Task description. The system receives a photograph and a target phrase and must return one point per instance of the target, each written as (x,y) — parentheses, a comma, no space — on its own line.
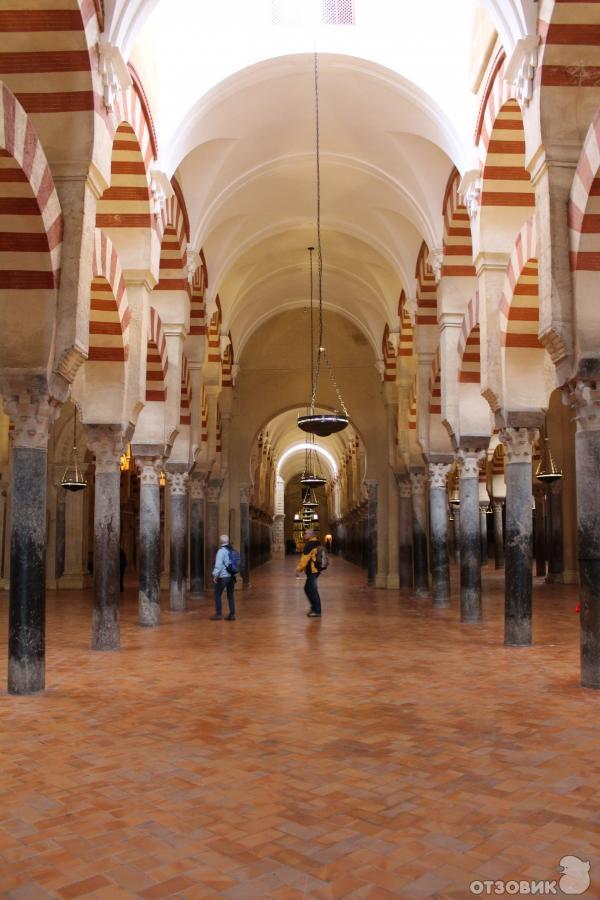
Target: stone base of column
(4,584)
(105,629)
(26,676)
(278,553)
(392,582)
(177,597)
(380,581)
(78,582)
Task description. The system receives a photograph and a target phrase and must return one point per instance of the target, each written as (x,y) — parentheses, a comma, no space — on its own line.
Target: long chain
(312,338)
(319,248)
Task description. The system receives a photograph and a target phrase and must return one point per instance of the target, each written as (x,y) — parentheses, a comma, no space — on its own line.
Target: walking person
(227,564)
(308,565)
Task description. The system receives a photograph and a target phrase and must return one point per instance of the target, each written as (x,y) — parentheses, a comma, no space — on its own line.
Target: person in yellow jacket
(308,565)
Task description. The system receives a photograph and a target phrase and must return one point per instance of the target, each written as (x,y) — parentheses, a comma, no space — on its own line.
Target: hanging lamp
(547,469)
(309,501)
(73,478)
(324,423)
(454,492)
(312,477)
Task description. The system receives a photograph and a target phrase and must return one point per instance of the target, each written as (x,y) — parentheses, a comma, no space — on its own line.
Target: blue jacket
(221,563)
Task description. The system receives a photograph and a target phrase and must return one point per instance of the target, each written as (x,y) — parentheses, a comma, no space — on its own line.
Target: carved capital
(371,489)
(519,444)
(192,261)
(31,410)
(438,475)
(497,505)
(418,481)
(245,493)
(435,260)
(469,191)
(149,469)
(113,71)
(469,462)
(520,68)
(584,399)
(106,442)
(196,486)
(177,483)
(161,189)
(213,490)
(403,487)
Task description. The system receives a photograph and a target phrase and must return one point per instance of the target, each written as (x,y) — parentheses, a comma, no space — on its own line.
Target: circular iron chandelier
(73,478)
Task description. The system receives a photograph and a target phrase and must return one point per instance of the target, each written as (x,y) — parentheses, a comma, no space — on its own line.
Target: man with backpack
(227,566)
(312,562)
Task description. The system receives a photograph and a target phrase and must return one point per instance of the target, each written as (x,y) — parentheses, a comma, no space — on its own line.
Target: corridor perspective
(289,274)
(379,752)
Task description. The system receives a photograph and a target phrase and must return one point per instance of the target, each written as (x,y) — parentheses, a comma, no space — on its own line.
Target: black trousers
(312,591)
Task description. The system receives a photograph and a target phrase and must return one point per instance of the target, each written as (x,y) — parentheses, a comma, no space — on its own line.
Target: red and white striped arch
(173,250)
(185,410)
(506,181)
(388,353)
(157,362)
(406,343)
(469,344)
(214,334)
(227,364)
(520,306)
(426,289)
(109,310)
(458,245)
(412,408)
(219,431)
(495,94)
(197,303)
(435,386)
(203,417)
(568,56)
(584,205)
(31,221)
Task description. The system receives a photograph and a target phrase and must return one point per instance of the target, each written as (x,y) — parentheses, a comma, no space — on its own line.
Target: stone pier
(245,491)
(470,535)
(421,579)
(438,530)
(106,442)
(197,502)
(178,545)
(518,442)
(211,544)
(371,487)
(498,535)
(405,533)
(149,562)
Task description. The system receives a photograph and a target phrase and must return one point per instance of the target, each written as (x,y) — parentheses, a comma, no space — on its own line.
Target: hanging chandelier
(312,476)
(323,423)
(73,478)
(309,501)
(547,469)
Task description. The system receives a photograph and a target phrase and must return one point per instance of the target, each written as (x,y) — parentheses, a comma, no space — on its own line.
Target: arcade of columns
(495,346)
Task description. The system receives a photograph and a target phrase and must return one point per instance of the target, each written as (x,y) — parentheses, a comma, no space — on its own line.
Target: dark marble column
(178,547)
(106,443)
(405,533)
(149,562)
(421,579)
(584,397)
(61,503)
(211,545)
(539,531)
(554,531)
(438,531)
(498,535)
(371,537)
(245,491)
(519,535)
(32,412)
(470,536)
(197,503)
(483,532)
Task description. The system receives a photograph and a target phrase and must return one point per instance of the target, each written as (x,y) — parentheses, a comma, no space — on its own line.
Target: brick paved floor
(384,751)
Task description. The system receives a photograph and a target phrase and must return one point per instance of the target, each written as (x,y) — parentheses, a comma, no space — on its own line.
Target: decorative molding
(404,488)
(584,399)
(213,490)
(497,505)
(161,189)
(469,462)
(177,483)
(197,489)
(193,260)
(31,410)
(436,261)
(107,443)
(519,444)
(438,475)
(149,469)
(418,480)
(520,68)
(113,71)
(469,191)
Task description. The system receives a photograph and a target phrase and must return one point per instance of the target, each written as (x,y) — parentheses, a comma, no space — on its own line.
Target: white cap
(224,538)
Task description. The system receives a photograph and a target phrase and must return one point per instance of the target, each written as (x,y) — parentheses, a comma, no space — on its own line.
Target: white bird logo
(575,878)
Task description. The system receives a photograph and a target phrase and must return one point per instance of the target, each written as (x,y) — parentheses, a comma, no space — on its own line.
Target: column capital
(497,505)
(149,468)
(196,487)
(177,483)
(418,481)
(371,488)
(106,442)
(519,444)
(245,493)
(31,410)
(438,474)
(584,399)
(403,483)
(469,462)
(213,489)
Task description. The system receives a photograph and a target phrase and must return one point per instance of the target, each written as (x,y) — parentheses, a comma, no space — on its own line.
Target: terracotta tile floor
(384,751)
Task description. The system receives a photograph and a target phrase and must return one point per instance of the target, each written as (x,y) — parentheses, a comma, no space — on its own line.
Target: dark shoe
(230,618)
(313,615)
(216,618)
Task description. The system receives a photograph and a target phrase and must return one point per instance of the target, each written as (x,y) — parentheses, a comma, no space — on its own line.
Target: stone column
(211,545)
(405,532)
(519,533)
(438,530)
(554,532)
(178,546)
(539,531)
(149,564)
(470,536)
(371,487)
(245,491)
(32,412)
(498,535)
(279,536)
(421,579)
(106,443)
(483,532)
(456,523)
(197,501)
(584,397)
(61,503)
